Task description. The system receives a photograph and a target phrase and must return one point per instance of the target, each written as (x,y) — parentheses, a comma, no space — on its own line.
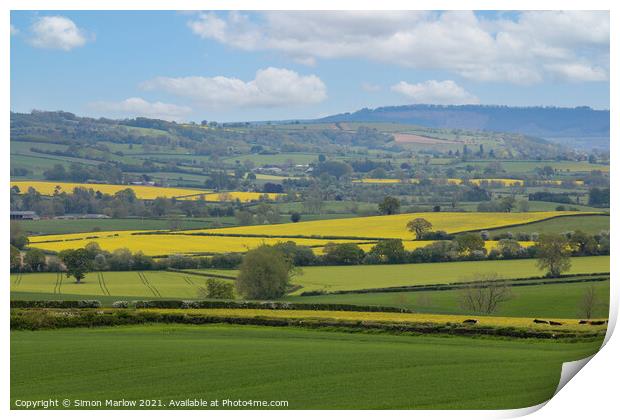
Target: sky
(256,66)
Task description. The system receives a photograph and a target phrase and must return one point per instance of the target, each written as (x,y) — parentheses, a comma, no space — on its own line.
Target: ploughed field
(308,368)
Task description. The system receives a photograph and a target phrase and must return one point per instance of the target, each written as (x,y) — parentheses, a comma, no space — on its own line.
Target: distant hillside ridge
(534,121)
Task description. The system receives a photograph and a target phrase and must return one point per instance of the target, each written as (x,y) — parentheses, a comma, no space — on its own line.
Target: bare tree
(485,293)
(589,302)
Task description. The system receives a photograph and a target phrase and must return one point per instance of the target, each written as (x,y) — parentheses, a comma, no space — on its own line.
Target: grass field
(542,301)
(174,285)
(352,277)
(144,192)
(589,224)
(148,284)
(561,166)
(339,370)
(394,226)
(277,159)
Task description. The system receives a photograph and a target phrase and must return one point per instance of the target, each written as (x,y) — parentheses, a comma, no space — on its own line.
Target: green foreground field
(309,369)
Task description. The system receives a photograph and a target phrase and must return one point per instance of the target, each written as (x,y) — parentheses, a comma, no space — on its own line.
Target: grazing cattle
(582,322)
(597,322)
(554,323)
(470,321)
(540,321)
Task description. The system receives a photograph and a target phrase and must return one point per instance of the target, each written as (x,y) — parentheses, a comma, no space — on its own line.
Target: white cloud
(56,32)
(445,92)
(138,107)
(578,72)
(271,87)
(519,50)
(14,30)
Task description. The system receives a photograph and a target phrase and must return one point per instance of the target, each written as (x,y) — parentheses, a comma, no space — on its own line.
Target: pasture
(136,284)
(541,301)
(340,370)
(353,277)
(328,278)
(589,224)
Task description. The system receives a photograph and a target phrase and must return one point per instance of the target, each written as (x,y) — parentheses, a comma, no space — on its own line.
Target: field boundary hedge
(525,281)
(45,319)
(206,304)
(255,235)
(202,274)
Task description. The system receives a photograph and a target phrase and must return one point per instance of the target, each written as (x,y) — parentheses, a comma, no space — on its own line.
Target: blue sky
(237,66)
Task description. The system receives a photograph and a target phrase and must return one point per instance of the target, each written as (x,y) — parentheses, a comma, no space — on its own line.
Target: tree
(16,259)
(589,303)
(582,243)
(345,254)
(389,205)
(468,243)
(34,259)
(217,289)
(485,295)
(265,273)
(390,251)
(18,237)
(334,168)
(553,253)
(419,226)
(295,217)
(77,262)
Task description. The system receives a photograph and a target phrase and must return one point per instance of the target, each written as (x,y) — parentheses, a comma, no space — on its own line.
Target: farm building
(24,215)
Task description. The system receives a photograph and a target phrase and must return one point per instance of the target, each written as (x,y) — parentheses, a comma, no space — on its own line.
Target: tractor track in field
(57,284)
(102,284)
(188,280)
(18,279)
(148,284)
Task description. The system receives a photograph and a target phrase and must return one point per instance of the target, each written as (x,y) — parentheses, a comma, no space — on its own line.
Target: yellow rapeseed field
(394,226)
(144,192)
(455,181)
(499,321)
(161,244)
(507,182)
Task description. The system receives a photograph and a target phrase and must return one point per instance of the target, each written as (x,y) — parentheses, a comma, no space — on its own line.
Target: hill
(560,124)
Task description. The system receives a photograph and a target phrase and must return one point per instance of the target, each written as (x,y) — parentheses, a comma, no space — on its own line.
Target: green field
(53,227)
(134,284)
(552,301)
(277,159)
(374,276)
(561,166)
(309,369)
(588,224)
(329,278)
